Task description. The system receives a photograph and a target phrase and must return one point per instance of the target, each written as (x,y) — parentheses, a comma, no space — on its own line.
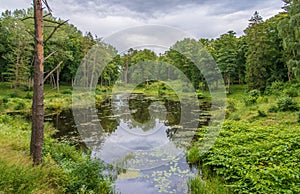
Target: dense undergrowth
(258,148)
(64,170)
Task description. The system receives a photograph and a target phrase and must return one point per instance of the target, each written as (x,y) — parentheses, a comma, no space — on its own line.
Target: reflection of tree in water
(107,119)
(163,109)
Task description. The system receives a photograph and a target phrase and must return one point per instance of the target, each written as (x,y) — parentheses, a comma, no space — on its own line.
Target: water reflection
(146,136)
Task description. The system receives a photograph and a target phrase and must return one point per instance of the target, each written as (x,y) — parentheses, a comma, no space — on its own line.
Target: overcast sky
(200,18)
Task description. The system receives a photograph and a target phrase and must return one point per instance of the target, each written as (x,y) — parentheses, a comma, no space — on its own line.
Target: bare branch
(49,26)
(50,55)
(48,14)
(47,5)
(27,18)
(54,30)
(51,21)
(53,70)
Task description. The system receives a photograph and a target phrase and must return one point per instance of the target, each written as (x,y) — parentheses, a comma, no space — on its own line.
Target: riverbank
(257,150)
(65,169)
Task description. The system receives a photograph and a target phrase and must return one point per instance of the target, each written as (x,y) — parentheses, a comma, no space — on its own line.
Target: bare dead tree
(37,134)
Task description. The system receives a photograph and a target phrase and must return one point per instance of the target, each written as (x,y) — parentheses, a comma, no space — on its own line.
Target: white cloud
(206,19)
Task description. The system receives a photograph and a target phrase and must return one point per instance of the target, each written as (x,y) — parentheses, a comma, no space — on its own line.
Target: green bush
(273,109)
(13,95)
(287,104)
(261,113)
(276,88)
(231,105)
(82,172)
(252,97)
(291,92)
(29,95)
(20,105)
(5,100)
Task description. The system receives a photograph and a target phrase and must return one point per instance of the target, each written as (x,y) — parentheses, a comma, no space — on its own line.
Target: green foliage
(193,155)
(18,179)
(81,172)
(196,186)
(29,95)
(20,105)
(226,48)
(252,97)
(261,113)
(273,109)
(257,158)
(67,91)
(264,55)
(291,92)
(287,104)
(275,88)
(289,31)
(209,183)
(235,117)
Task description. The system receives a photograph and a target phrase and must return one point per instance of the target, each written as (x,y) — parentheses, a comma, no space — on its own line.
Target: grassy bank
(64,169)
(20,101)
(258,149)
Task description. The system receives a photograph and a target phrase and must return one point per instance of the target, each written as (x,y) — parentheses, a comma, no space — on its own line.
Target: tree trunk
(37,134)
(17,68)
(228,83)
(57,79)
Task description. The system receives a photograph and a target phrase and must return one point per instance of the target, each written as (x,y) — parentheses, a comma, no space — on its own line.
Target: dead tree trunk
(37,134)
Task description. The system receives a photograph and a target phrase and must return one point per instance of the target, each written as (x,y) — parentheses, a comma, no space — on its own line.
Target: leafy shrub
(82,172)
(231,105)
(5,100)
(12,95)
(252,97)
(193,155)
(261,113)
(287,104)
(298,114)
(254,158)
(20,105)
(29,95)
(276,88)
(291,92)
(273,109)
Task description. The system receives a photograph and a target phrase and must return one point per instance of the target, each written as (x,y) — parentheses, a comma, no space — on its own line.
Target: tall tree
(255,19)
(264,54)
(226,56)
(37,134)
(289,30)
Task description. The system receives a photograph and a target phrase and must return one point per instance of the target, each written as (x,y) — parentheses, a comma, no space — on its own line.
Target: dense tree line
(269,51)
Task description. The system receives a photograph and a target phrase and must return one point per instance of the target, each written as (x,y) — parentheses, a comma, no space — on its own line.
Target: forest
(257,150)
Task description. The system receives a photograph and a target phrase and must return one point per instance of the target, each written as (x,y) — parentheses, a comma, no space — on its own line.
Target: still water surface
(148,141)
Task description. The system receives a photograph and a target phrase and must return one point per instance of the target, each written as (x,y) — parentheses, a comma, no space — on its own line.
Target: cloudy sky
(200,18)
